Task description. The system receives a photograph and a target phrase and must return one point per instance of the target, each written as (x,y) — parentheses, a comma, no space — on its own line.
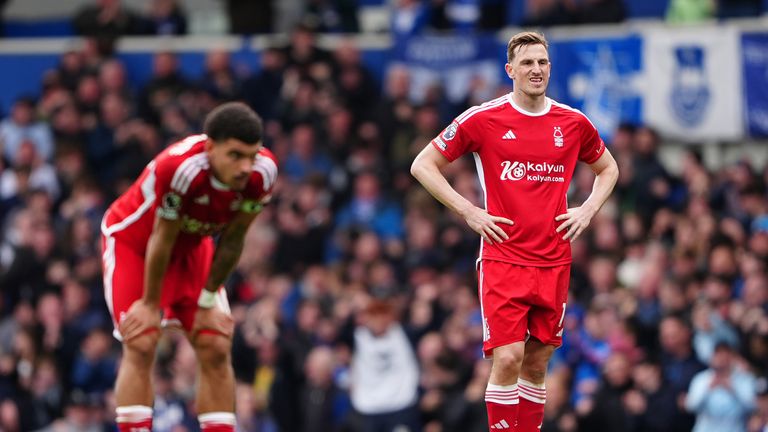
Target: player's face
(232,161)
(530,69)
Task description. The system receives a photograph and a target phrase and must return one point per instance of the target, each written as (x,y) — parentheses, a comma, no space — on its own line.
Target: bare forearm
(602,188)
(224,260)
(436,184)
(157,259)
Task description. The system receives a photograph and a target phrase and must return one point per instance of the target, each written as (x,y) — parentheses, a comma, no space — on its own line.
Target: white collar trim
(217,184)
(528,113)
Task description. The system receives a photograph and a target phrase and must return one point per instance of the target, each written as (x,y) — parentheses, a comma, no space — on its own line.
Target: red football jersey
(525,162)
(179,184)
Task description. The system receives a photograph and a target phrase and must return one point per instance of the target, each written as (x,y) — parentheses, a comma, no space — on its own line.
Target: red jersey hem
(528,263)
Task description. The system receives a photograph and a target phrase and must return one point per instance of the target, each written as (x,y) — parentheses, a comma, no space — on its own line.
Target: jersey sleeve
(592,146)
(262,182)
(173,182)
(456,139)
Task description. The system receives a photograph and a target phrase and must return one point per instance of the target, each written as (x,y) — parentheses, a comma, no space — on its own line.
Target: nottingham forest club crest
(558,136)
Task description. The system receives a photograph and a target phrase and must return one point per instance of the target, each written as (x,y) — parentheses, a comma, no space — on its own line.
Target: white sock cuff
(535,393)
(525,383)
(220,417)
(503,388)
(503,395)
(133,413)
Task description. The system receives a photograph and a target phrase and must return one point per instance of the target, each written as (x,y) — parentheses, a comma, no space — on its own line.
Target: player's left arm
(228,249)
(211,313)
(576,219)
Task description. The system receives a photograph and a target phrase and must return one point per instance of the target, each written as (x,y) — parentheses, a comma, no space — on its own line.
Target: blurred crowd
(112,18)
(355,298)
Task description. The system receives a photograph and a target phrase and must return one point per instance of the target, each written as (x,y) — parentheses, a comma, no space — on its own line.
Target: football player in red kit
(161,266)
(525,147)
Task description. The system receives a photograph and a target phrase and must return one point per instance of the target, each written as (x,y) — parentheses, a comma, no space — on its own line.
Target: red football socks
(502,403)
(532,399)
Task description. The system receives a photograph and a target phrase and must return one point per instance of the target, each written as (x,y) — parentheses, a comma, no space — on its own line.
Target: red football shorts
(520,300)
(123,270)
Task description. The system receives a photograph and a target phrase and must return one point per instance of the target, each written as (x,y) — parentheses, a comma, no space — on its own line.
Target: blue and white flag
(693,83)
(600,77)
(755,54)
(455,63)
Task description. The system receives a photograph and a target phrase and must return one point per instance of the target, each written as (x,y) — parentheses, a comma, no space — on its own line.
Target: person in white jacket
(385,373)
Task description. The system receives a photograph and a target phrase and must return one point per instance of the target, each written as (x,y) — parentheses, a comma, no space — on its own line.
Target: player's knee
(141,349)
(535,365)
(535,372)
(508,360)
(213,350)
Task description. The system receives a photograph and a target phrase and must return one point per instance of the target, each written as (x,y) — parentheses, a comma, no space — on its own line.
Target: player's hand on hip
(141,317)
(487,225)
(575,221)
(213,319)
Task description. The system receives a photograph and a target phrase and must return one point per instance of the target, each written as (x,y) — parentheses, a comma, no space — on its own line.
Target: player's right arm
(426,168)
(172,183)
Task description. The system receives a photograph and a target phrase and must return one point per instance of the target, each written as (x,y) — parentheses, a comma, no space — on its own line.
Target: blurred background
(354,273)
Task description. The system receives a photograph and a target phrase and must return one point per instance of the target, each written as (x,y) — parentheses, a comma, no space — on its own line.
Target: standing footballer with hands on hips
(525,147)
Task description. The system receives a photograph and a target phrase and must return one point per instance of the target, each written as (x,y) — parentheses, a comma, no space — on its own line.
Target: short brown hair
(522,39)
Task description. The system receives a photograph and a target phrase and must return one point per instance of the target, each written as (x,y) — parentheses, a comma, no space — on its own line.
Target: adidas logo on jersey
(501,425)
(509,135)
(202,200)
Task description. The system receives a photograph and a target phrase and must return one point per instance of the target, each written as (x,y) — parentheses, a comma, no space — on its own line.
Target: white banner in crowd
(693,85)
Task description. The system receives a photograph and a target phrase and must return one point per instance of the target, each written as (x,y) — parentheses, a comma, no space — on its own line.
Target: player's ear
(510,71)
(209,145)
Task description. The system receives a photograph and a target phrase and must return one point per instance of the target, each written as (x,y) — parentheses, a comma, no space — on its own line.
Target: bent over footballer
(159,259)
(525,147)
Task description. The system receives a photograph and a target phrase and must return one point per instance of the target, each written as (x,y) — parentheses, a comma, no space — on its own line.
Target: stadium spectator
(723,396)
(690,11)
(333,16)
(166,17)
(108,19)
(22,125)
(384,373)
(262,90)
(305,159)
(164,87)
(250,17)
(678,363)
(219,78)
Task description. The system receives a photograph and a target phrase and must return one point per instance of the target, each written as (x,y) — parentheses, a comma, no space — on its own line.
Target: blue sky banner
(457,63)
(600,77)
(754,48)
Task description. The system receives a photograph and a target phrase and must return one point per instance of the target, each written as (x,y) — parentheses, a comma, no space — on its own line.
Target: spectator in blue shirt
(723,396)
(22,126)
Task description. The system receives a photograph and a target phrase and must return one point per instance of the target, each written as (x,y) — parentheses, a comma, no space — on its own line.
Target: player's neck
(218,184)
(534,104)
